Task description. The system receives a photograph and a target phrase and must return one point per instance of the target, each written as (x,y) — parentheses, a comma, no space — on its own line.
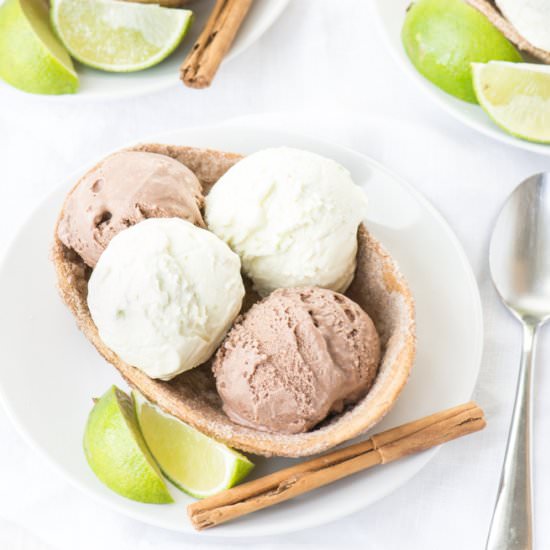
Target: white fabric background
(322,57)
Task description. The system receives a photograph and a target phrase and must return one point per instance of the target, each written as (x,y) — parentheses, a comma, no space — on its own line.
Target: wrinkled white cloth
(321,57)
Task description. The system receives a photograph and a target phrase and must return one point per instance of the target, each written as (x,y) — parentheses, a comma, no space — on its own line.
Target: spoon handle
(512,523)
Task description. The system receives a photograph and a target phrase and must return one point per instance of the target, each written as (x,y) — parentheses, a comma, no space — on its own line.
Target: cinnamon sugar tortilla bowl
(378,287)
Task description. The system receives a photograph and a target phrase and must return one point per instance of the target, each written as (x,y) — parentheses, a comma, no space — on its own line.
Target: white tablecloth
(322,57)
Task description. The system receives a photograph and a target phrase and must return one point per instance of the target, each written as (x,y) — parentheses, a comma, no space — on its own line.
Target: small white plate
(49,372)
(96,84)
(390,16)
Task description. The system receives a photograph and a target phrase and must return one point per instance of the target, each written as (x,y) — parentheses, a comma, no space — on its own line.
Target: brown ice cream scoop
(124,189)
(294,358)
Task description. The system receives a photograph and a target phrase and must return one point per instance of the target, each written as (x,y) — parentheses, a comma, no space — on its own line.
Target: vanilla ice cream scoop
(163,294)
(291,216)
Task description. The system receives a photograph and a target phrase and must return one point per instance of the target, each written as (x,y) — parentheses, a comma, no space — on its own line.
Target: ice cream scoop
(292,216)
(295,357)
(124,189)
(163,294)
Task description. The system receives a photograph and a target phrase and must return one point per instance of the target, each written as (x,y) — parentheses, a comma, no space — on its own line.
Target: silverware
(519,259)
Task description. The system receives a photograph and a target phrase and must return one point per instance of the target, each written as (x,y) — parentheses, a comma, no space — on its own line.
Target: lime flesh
(516,96)
(31,57)
(192,461)
(443,37)
(119,36)
(117,453)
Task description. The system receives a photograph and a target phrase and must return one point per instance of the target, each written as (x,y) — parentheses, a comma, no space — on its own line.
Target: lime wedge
(117,453)
(119,36)
(516,96)
(31,57)
(192,461)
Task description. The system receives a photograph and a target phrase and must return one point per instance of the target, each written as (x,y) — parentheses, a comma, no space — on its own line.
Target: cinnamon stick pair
(382,448)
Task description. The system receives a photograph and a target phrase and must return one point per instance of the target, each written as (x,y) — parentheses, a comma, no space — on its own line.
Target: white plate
(390,16)
(49,372)
(102,85)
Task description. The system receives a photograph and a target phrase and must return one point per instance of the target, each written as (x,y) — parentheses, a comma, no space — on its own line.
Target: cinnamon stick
(201,65)
(382,448)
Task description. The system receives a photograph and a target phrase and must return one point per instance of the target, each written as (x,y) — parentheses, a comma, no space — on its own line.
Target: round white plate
(49,372)
(390,16)
(96,84)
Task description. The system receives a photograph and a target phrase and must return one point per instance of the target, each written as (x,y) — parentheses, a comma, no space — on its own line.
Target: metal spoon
(519,258)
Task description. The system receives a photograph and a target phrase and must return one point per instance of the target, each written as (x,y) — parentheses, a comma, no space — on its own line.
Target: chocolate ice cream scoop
(124,189)
(295,357)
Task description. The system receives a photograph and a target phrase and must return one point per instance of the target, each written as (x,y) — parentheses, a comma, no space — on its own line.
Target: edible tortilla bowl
(378,287)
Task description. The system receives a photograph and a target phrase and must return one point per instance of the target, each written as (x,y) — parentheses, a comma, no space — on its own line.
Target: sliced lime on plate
(31,57)
(119,36)
(442,38)
(192,461)
(117,453)
(516,96)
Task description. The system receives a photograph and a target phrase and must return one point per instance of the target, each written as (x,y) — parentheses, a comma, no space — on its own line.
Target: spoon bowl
(519,254)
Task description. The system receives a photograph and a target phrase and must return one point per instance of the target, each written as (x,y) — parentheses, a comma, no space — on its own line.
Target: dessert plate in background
(390,16)
(49,372)
(96,84)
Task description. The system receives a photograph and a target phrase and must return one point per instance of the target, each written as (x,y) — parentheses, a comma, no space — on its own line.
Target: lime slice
(192,461)
(31,57)
(516,96)
(443,37)
(119,36)
(117,453)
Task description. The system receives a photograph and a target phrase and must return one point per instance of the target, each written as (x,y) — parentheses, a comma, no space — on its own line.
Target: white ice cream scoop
(163,294)
(291,216)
